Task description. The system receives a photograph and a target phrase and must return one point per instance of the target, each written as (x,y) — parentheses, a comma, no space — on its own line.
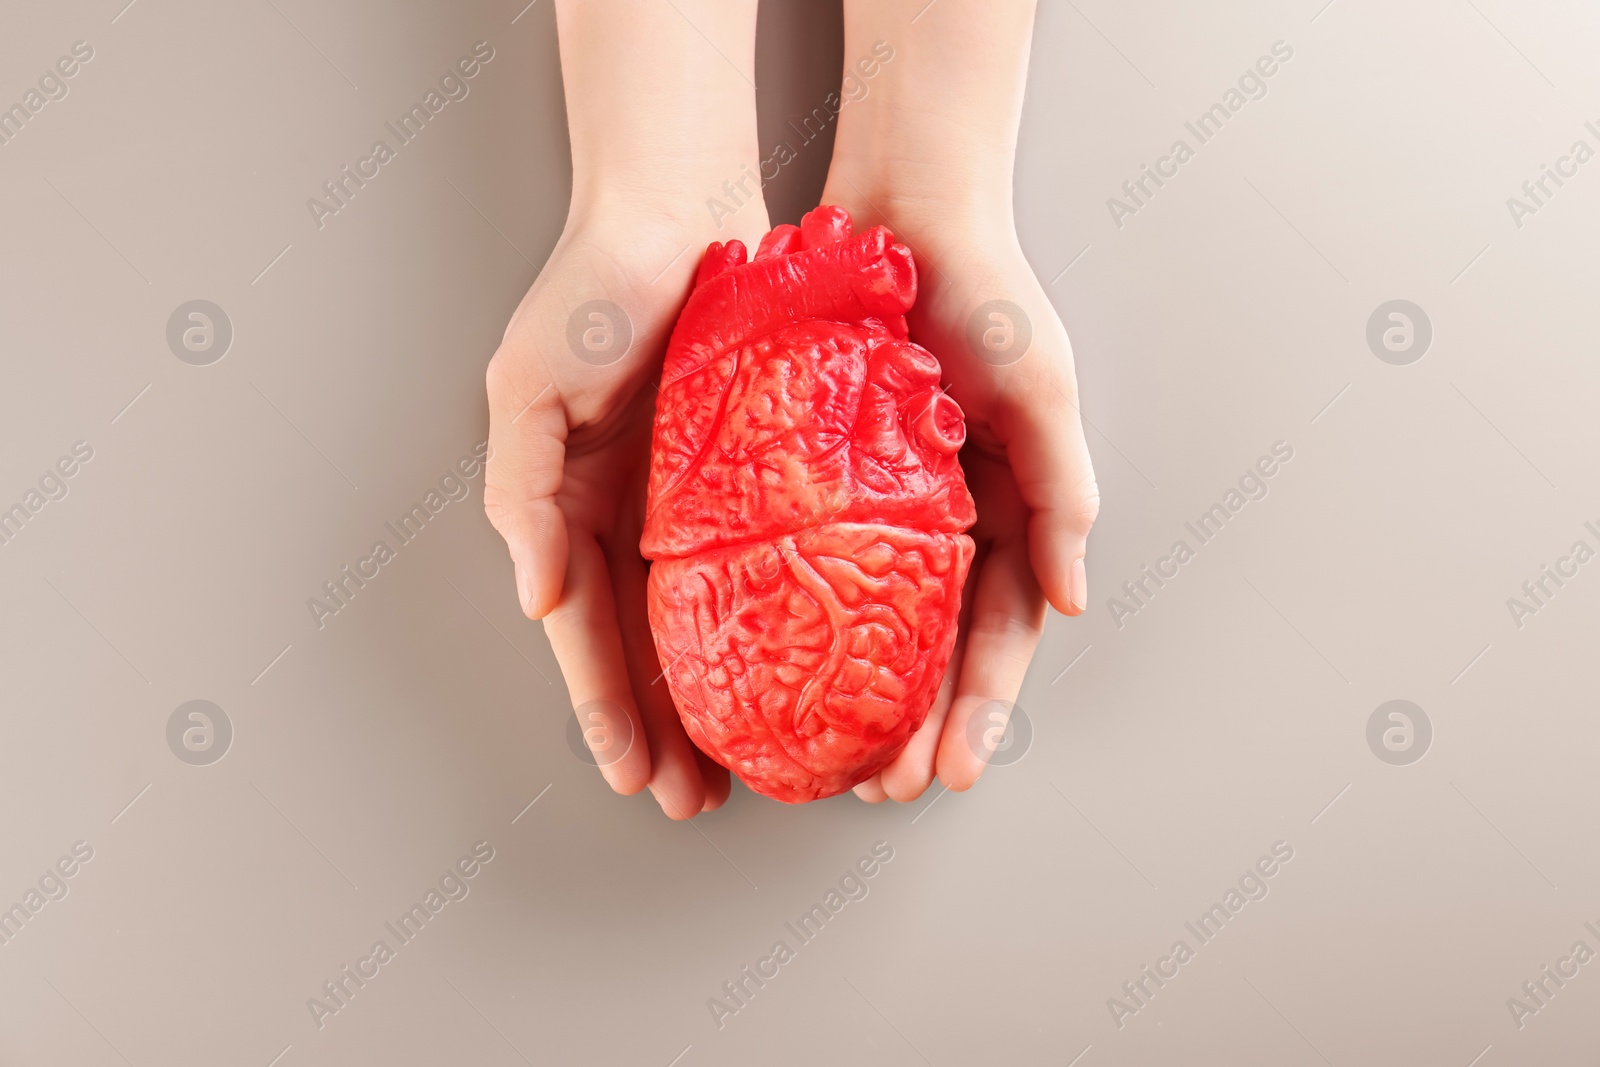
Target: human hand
(571,395)
(928,153)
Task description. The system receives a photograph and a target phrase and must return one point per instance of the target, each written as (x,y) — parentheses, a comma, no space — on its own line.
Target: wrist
(921,198)
(679,149)
(676,191)
(921,166)
(659,217)
(937,209)
(681,220)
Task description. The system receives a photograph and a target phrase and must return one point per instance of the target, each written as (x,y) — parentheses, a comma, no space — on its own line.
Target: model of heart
(806,510)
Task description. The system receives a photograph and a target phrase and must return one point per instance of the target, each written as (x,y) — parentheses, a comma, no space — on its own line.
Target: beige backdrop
(179,509)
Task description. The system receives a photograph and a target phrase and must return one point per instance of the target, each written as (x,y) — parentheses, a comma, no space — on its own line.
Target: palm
(602,460)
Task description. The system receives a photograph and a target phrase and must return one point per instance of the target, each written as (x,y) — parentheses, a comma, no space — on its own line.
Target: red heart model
(806,510)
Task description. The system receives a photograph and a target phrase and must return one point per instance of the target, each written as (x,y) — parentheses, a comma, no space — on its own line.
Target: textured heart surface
(806,510)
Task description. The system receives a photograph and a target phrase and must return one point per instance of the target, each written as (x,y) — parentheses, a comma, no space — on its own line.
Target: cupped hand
(571,398)
(1007,361)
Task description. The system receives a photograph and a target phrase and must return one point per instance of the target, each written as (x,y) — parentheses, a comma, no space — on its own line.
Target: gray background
(1228,314)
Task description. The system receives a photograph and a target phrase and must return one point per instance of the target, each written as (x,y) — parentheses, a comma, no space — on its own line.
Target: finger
(911,772)
(676,780)
(718,782)
(582,629)
(527,446)
(871,790)
(1050,459)
(1007,619)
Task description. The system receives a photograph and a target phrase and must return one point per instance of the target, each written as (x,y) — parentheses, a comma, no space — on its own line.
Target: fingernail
(670,810)
(1078,587)
(524,586)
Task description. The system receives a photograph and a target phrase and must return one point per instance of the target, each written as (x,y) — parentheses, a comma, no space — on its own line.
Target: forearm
(938,127)
(660,99)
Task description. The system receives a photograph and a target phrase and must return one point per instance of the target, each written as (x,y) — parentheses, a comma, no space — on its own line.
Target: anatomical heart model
(806,510)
